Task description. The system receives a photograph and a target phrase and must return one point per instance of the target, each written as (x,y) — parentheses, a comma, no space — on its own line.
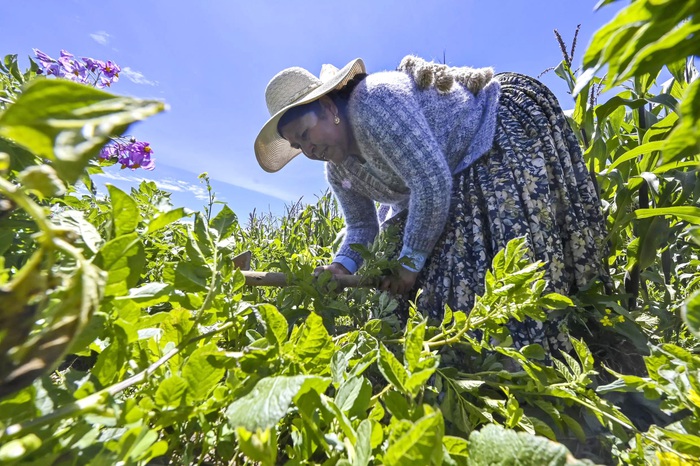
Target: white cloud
(136,77)
(101,37)
(267,189)
(198,191)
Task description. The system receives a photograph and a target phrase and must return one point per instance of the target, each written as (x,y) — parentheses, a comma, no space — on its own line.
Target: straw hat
(290,88)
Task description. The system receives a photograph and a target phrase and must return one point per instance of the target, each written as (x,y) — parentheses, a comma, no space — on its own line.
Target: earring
(337,120)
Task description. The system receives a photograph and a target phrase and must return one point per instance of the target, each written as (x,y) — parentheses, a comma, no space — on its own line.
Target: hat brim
(273,151)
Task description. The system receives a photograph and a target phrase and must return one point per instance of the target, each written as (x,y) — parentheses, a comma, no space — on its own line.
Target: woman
(472,160)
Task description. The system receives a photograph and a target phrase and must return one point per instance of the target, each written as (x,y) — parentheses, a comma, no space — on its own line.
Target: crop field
(129,336)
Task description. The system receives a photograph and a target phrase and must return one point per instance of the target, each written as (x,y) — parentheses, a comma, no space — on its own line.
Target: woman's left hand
(400,283)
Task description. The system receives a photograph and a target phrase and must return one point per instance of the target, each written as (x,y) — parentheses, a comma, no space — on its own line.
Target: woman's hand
(400,283)
(335,268)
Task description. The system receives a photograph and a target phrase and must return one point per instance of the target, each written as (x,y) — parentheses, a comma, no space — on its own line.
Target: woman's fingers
(335,269)
(399,284)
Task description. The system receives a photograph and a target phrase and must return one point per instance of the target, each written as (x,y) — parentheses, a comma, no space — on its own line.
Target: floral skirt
(532,183)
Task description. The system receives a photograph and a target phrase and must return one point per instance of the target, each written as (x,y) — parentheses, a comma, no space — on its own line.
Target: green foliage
(128,336)
(494,445)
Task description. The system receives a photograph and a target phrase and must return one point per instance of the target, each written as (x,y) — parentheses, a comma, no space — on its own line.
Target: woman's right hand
(335,268)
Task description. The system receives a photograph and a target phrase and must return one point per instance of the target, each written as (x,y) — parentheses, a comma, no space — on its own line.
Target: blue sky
(211,60)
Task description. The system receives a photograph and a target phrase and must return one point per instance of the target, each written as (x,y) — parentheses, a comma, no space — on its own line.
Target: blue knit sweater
(413,141)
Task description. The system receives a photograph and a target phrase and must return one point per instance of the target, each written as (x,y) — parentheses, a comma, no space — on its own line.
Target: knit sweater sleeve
(389,119)
(361,223)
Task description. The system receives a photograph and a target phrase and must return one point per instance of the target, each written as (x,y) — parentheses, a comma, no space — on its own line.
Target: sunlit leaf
(687,213)
(166,218)
(420,445)
(354,395)
(392,369)
(363,447)
(123,258)
(170,392)
(314,347)
(125,211)
(277,326)
(202,372)
(495,445)
(270,400)
(224,222)
(414,346)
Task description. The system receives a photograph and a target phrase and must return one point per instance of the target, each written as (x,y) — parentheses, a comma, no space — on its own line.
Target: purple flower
(50,66)
(111,70)
(103,82)
(129,153)
(140,156)
(108,152)
(93,65)
(86,70)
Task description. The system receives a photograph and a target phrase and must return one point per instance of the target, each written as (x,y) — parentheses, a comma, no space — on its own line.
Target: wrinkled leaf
(270,400)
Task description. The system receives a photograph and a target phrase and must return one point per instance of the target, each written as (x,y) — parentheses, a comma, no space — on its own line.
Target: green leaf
(556,301)
(396,404)
(69,123)
(166,218)
(575,428)
(672,45)
(417,380)
(363,446)
(467,385)
(124,259)
(270,400)
(20,158)
(171,391)
(150,294)
(277,326)
(495,445)
(111,361)
(140,444)
(447,317)
(42,179)
(533,351)
(223,222)
(314,347)
(260,446)
(392,370)
(201,234)
(94,328)
(125,211)
(691,313)
(191,277)
(202,372)
(354,395)
(18,448)
(639,151)
(458,448)
(688,213)
(340,362)
(414,346)
(87,233)
(421,445)
(685,137)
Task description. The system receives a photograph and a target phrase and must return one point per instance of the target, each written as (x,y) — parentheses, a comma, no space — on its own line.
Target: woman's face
(317,135)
